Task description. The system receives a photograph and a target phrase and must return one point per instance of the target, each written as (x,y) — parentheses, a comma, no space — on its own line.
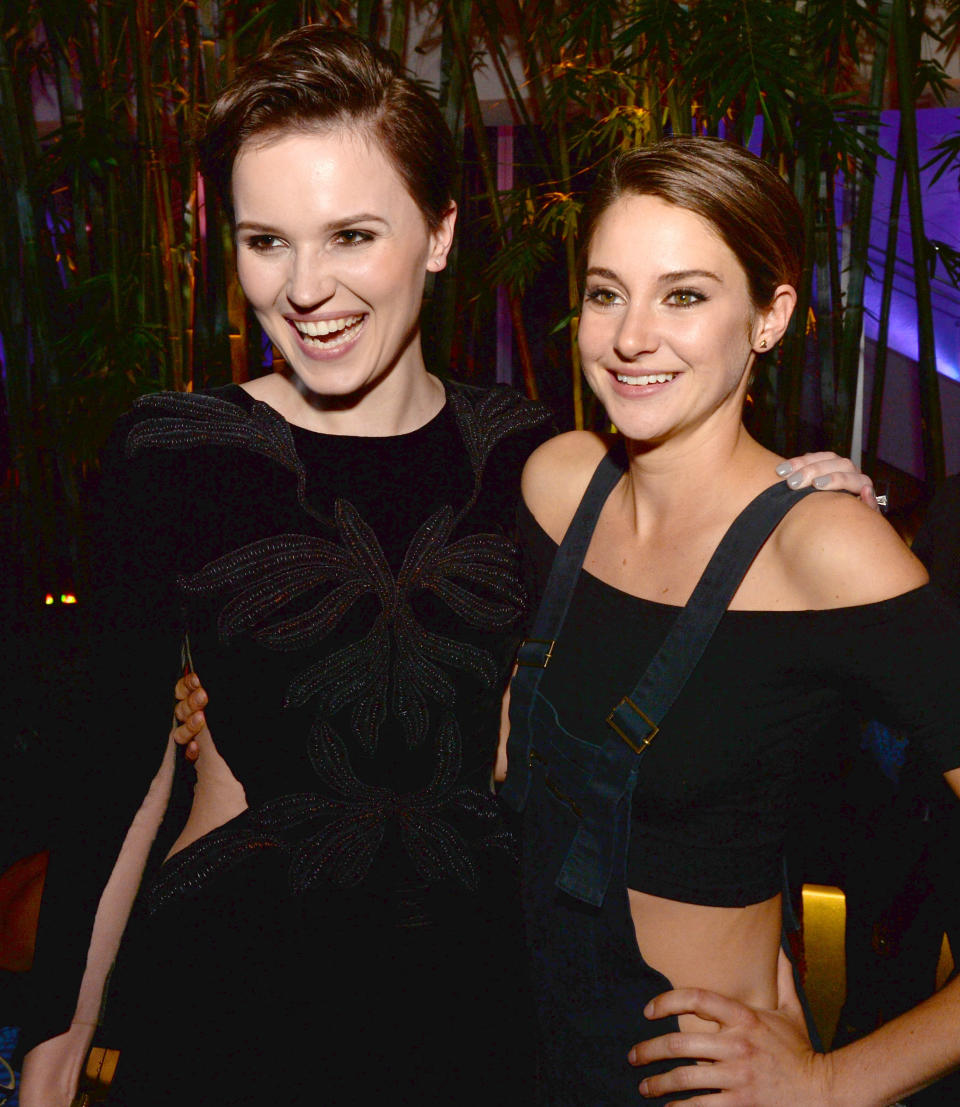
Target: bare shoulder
(838,552)
(556,476)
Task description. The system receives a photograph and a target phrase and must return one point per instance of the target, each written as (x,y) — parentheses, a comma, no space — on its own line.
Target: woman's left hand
(758,1058)
(827,471)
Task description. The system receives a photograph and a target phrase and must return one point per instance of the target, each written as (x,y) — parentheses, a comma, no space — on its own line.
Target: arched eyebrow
(335,225)
(688,274)
(664,278)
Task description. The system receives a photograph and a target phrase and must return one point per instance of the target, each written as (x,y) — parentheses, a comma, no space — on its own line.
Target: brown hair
(749,206)
(317,77)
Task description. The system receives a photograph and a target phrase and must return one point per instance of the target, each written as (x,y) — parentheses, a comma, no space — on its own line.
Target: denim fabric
(590,980)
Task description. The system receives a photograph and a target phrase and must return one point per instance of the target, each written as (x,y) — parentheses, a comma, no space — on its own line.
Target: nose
(310,281)
(637,333)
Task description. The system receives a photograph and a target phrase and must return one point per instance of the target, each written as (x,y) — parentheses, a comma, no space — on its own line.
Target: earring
(763,343)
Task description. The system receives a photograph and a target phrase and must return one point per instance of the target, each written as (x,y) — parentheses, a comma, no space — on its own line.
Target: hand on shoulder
(840,553)
(556,476)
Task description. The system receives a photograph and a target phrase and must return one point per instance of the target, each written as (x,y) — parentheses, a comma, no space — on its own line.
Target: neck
(404,400)
(690,478)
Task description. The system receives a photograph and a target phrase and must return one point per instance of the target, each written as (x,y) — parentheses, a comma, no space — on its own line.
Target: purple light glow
(941,216)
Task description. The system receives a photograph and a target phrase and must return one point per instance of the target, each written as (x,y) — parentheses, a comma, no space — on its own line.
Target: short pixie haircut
(748,205)
(323,77)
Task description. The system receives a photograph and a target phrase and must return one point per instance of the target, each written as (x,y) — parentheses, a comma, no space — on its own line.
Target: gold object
(96,1077)
(654,729)
(550,642)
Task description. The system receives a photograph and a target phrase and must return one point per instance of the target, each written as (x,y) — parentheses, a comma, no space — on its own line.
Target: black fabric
(718,788)
(938,540)
(591,982)
(353,605)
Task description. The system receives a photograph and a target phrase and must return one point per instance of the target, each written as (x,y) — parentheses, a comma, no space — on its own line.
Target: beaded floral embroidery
(290,592)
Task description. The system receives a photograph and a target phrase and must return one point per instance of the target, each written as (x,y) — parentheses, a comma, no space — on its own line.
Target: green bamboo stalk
(931,426)
(824,247)
(886,298)
(399,18)
(443,292)
(849,359)
(27,331)
(787,401)
(458,21)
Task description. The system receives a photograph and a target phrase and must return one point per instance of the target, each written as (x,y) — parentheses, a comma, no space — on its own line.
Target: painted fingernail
(821,482)
(794,480)
(783,468)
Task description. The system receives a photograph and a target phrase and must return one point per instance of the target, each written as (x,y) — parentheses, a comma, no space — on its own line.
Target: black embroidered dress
(353,607)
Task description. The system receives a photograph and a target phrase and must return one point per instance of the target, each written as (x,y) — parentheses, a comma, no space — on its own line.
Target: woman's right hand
(52,1069)
(192,730)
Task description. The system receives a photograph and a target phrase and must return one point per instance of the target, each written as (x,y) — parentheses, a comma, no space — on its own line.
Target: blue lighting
(941,216)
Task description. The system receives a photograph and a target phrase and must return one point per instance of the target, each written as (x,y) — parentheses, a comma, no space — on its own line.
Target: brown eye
(602,297)
(353,238)
(685,297)
(263,243)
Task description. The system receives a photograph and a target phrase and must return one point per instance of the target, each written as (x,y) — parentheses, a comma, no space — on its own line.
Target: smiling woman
(699,630)
(332,255)
(338,538)
(339,871)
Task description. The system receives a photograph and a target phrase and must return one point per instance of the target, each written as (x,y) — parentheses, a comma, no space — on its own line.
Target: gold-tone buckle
(549,642)
(654,729)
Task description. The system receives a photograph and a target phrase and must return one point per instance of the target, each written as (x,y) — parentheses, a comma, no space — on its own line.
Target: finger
(189,728)
(869,496)
(193,747)
(699,1001)
(687,1045)
(687,1078)
(188,683)
(817,457)
(183,709)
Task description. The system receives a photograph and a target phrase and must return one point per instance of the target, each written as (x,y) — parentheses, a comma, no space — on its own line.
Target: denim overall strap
(535,652)
(636,718)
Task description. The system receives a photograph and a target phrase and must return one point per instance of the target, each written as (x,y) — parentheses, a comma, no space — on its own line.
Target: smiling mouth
(327,334)
(647,378)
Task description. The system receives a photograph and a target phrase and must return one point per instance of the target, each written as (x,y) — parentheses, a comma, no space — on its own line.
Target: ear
(771,323)
(441,240)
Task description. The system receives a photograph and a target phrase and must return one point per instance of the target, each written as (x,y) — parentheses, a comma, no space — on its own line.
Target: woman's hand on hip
(757,1058)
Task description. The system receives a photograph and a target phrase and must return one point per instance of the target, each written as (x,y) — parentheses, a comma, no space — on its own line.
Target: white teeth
(649,378)
(311,329)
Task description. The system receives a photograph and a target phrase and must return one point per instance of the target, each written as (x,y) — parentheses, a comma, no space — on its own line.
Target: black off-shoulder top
(718,789)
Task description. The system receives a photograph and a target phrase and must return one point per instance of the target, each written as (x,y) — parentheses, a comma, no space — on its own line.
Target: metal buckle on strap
(637,746)
(533,657)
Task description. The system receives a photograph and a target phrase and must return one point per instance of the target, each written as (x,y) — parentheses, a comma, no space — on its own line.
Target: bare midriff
(217,797)
(730,950)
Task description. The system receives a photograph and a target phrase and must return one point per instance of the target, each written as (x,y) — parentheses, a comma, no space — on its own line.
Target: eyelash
(695,297)
(267,243)
(606,297)
(262,243)
(358,239)
(600,297)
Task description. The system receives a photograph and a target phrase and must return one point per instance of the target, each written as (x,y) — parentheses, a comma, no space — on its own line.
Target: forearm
(901,1057)
(52,1068)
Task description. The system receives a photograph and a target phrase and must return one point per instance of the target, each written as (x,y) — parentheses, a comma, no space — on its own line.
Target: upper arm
(839,553)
